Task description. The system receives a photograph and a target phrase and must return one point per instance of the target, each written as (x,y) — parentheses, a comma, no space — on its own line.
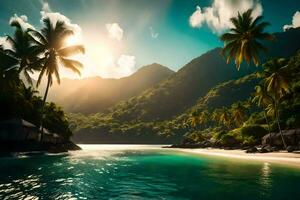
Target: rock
(251,150)
(291,137)
(290,148)
(268,148)
(275,149)
(263,150)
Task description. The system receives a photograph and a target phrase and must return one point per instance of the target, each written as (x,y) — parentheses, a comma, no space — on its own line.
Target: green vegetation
(231,108)
(40,52)
(96,94)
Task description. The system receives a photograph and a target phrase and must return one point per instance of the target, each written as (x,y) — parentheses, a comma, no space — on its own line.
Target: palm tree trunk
(269,128)
(43,107)
(278,124)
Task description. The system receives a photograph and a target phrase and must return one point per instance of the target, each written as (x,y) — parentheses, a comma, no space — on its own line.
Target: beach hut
(52,138)
(18,130)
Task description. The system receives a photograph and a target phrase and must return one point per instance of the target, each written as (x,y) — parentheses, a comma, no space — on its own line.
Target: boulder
(263,150)
(291,137)
(290,148)
(266,149)
(275,149)
(251,150)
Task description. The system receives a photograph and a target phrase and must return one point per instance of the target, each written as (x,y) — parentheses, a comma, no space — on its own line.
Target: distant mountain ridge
(157,115)
(96,94)
(182,90)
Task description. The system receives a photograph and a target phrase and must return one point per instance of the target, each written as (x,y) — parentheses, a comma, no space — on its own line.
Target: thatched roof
(17,122)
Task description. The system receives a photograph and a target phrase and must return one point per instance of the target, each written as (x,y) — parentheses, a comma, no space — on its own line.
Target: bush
(194,137)
(218,135)
(254,131)
(250,141)
(228,140)
(293,122)
(256,118)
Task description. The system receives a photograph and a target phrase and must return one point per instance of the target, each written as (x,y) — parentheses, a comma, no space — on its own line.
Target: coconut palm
(23,49)
(7,77)
(224,117)
(194,119)
(244,40)
(216,115)
(277,84)
(203,118)
(238,114)
(51,40)
(263,99)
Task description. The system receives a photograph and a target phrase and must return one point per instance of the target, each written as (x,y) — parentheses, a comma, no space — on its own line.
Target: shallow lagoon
(143,172)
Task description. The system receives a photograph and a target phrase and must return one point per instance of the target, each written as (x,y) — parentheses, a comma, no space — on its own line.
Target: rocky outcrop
(291,137)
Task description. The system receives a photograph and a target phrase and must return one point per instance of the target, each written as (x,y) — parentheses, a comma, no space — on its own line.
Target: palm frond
(72,64)
(71,50)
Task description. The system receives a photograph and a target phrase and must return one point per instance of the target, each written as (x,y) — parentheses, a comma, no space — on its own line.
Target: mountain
(106,130)
(182,90)
(96,94)
(160,113)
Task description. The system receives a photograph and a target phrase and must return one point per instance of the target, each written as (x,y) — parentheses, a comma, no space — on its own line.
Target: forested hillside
(206,83)
(96,94)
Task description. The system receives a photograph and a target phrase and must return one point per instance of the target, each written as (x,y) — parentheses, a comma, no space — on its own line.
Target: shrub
(293,122)
(194,137)
(254,131)
(250,141)
(228,140)
(256,118)
(218,135)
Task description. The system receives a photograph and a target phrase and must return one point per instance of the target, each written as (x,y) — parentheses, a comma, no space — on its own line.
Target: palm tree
(7,76)
(263,99)
(238,114)
(204,118)
(51,40)
(244,41)
(23,49)
(224,117)
(216,115)
(277,84)
(194,119)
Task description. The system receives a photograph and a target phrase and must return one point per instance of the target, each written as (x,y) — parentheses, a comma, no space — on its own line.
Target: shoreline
(281,157)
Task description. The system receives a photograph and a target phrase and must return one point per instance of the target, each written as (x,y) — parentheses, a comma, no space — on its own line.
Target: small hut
(51,138)
(18,130)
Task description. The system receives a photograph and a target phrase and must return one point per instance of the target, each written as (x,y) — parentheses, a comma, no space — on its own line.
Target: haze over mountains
(96,94)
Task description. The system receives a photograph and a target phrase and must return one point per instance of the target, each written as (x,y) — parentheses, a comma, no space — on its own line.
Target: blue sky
(132,33)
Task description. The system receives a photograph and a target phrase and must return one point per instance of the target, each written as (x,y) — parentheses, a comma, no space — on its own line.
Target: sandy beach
(282,158)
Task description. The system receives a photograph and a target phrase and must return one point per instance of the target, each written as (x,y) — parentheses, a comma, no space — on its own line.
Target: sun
(98,57)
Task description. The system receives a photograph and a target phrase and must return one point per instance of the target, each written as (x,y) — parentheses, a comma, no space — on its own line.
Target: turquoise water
(143,172)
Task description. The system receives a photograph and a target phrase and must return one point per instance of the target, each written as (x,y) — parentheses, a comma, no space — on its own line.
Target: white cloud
(153,33)
(45,6)
(126,65)
(56,16)
(114,31)
(295,21)
(22,20)
(123,66)
(218,15)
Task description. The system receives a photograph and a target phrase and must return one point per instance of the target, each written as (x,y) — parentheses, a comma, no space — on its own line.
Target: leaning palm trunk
(278,124)
(269,128)
(43,108)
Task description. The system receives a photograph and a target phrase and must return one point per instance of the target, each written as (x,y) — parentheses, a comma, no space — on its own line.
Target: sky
(121,36)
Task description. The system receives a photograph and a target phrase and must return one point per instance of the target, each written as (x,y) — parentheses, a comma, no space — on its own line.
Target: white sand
(285,158)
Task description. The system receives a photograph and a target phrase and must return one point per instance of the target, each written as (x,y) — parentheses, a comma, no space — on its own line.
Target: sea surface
(143,172)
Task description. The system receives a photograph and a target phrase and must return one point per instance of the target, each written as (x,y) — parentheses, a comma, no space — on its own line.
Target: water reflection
(116,173)
(21,188)
(265,179)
